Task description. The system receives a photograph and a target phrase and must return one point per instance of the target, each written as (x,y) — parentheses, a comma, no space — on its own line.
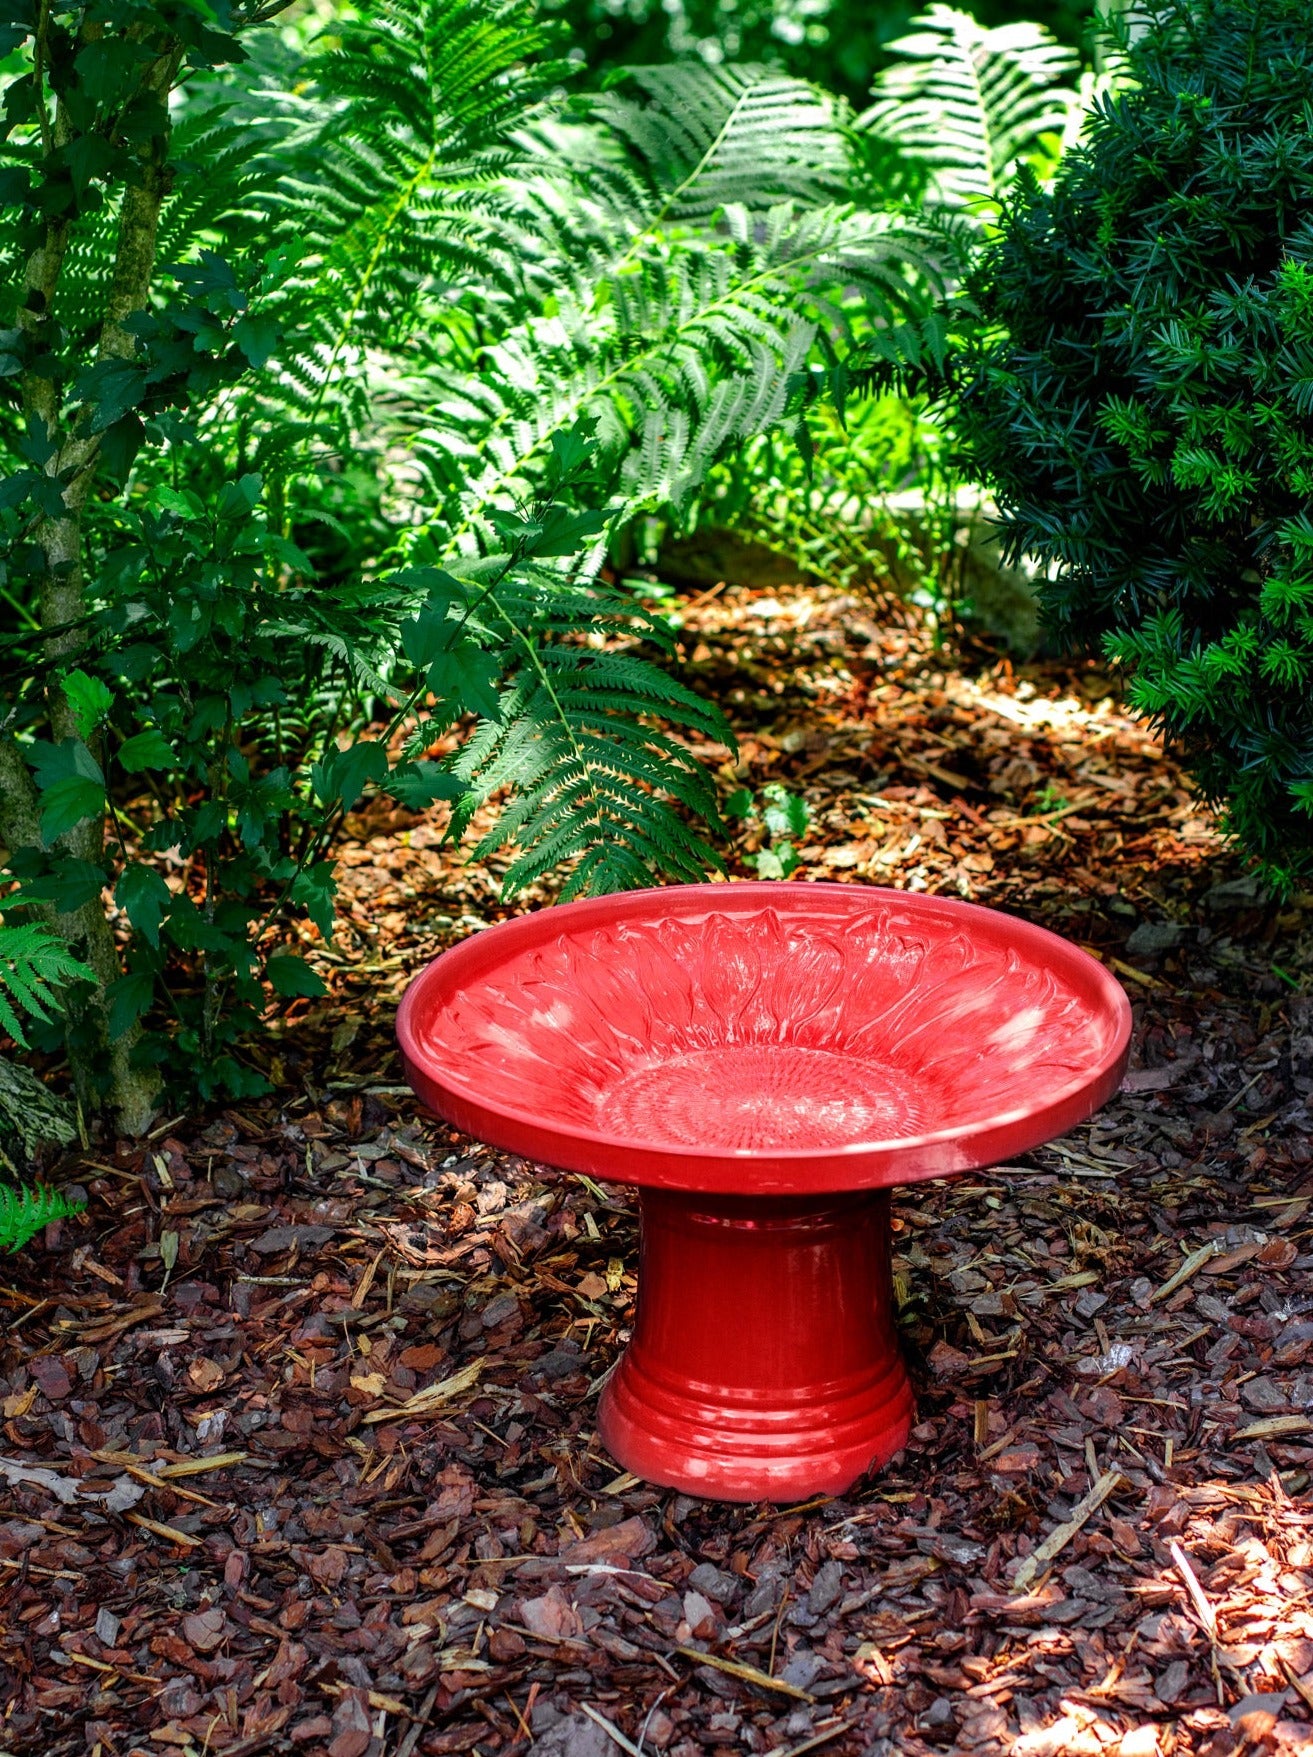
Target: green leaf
(344,774)
(291,977)
(147,750)
(786,813)
(432,629)
(419,785)
(57,762)
(34,964)
(111,389)
(182,502)
(238,500)
(110,68)
(739,803)
(315,890)
(68,883)
(89,156)
(15,488)
(119,445)
(90,699)
(556,531)
(466,677)
(573,449)
(71,782)
(70,802)
(129,999)
(145,898)
(257,336)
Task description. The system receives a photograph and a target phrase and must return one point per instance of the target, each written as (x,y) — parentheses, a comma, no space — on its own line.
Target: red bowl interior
(765,1038)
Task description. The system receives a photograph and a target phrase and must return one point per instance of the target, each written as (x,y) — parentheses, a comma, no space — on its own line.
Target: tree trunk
(101,1065)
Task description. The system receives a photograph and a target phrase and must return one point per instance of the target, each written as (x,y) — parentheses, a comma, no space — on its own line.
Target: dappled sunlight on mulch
(313,1383)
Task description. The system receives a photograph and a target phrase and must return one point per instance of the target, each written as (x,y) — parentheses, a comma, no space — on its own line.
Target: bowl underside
(837,1036)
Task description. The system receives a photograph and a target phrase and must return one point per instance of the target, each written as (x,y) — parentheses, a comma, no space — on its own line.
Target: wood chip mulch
(298,1419)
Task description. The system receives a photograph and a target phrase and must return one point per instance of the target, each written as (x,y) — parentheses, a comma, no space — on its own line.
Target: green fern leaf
(25,1210)
(33,965)
(707,137)
(970,103)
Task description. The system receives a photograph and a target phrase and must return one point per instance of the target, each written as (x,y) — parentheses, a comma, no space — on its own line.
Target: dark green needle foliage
(1138,389)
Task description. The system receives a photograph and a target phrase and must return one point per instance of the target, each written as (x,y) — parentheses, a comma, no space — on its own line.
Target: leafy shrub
(175,660)
(689,245)
(329,373)
(1135,385)
(34,966)
(824,506)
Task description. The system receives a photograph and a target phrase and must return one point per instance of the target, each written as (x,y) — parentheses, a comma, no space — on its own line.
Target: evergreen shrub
(1135,383)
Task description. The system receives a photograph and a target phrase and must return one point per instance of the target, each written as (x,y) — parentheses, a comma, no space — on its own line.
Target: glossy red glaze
(746,1052)
(764,1363)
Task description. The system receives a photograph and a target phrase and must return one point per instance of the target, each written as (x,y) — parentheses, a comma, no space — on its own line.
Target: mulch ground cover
(298,1418)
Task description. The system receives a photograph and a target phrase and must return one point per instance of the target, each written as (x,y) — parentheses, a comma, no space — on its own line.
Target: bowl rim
(961,1147)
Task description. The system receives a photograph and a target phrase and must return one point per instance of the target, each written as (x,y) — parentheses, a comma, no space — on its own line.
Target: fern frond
(25,1210)
(970,103)
(582,776)
(33,965)
(687,352)
(706,137)
(390,188)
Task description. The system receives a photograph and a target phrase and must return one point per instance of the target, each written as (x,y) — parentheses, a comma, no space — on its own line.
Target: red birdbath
(763,1061)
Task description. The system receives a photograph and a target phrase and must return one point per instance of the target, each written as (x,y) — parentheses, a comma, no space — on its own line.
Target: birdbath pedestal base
(764,1360)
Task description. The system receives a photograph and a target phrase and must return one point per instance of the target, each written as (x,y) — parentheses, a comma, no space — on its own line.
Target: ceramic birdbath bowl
(764,1061)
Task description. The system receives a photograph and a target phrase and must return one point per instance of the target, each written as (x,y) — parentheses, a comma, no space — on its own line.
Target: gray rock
(1248,892)
(1172,1683)
(1151,938)
(765,1595)
(557,1363)
(1264,1396)
(498,1310)
(993,598)
(1301,1043)
(712,554)
(282,1238)
(962,1552)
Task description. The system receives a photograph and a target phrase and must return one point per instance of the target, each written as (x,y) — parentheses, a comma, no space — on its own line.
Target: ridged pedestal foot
(764,1363)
